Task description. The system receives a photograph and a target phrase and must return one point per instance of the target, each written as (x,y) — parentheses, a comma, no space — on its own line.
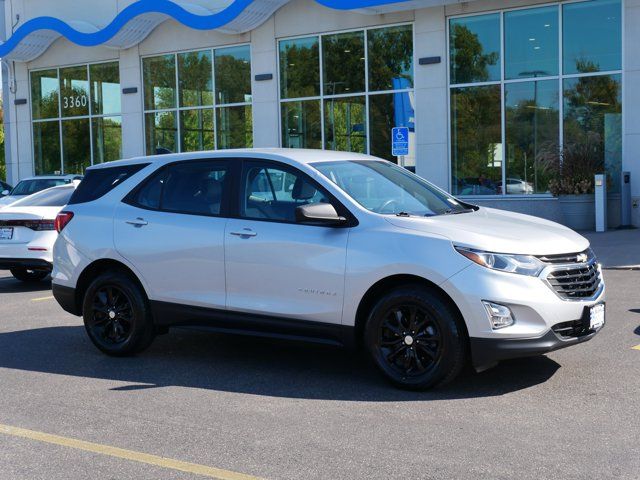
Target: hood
(499,231)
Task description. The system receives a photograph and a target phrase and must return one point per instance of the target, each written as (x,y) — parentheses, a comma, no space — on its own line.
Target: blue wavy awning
(134,23)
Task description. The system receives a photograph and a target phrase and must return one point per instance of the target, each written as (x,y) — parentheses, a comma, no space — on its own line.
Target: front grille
(565,258)
(576,282)
(575,328)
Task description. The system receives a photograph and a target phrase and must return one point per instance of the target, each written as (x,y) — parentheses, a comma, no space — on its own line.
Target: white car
(517,186)
(27,233)
(31,185)
(328,247)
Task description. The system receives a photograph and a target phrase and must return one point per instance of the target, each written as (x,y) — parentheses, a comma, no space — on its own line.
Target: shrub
(572,167)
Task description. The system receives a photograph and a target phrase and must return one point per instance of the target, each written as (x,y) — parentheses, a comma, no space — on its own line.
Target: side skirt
(167,314)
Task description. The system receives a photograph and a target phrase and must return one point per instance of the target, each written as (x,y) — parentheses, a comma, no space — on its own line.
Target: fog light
(499,315)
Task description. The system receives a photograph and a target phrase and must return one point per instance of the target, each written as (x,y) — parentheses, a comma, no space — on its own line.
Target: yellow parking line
(125,454)
(41,299)
(637,347)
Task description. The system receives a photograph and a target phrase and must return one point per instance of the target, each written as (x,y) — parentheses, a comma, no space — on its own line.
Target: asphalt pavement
(274,410)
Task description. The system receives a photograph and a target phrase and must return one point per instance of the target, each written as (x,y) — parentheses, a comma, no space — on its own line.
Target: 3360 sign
(74,101)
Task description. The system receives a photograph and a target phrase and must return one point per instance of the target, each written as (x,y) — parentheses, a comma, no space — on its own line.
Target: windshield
(56,197)
(385,188)
(28,187)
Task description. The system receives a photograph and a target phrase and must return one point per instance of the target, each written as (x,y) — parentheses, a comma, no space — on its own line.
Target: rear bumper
(30,263)
(66,297)
(487,352)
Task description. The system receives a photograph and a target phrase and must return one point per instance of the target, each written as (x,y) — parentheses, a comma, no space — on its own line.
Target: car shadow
(11,285)
(247,365)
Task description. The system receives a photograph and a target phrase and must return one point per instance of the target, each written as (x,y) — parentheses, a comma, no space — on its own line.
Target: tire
(416,338)
(117,316)
(29,276)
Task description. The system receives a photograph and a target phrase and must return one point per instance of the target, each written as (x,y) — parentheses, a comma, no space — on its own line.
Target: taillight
(37,225)
(62,220)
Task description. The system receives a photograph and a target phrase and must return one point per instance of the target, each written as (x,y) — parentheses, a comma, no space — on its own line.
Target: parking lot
(203,404)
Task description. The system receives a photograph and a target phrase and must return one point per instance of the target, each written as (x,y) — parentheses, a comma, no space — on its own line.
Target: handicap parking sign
(400,141)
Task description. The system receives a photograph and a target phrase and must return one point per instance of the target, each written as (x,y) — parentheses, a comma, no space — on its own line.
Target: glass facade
(552,86)
(76,117)
(346,91)
(198,100)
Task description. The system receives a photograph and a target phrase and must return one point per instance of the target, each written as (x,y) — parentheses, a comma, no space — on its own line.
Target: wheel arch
(96,268)
(394,281)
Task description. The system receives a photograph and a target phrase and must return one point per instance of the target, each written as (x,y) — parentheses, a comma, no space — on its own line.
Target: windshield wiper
(458,212)
(403,214)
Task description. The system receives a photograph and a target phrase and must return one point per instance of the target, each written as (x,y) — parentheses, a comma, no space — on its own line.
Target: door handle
(245,232)
(138,222)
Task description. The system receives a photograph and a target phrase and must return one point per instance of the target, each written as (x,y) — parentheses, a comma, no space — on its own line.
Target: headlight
(520,264)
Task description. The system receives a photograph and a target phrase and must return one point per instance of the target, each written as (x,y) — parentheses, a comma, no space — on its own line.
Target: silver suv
(327,247)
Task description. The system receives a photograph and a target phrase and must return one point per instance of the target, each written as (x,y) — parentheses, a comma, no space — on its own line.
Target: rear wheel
(117,316)
(29,276)
(416,338)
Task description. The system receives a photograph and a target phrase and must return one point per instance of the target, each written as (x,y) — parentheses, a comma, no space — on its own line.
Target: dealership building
(512,104)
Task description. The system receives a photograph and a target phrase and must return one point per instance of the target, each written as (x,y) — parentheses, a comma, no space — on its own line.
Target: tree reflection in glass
(593,113)
(476,140)
(475,49)
(233,75)
(300,68)
(532,122)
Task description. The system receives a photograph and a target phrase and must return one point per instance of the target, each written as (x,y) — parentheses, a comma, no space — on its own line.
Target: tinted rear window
(57,197)
(29,187)
(98,183)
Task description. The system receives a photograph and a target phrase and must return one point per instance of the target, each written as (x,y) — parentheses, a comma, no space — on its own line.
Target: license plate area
(6,233)
(597,316)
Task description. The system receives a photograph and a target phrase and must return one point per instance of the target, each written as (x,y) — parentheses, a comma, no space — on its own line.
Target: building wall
(303,17)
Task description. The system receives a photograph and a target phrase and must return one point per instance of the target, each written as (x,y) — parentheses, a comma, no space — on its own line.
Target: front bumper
(487,352)
(538,311)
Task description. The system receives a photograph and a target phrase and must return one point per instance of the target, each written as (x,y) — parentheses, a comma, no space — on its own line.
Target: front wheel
(416,338)
(29,276)
(117,316)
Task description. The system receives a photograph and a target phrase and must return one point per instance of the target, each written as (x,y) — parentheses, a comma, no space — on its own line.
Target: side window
(149,195)
(195,188)
(273,193)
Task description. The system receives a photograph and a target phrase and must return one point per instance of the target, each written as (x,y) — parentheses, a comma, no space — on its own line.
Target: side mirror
(319,214)
(4,193)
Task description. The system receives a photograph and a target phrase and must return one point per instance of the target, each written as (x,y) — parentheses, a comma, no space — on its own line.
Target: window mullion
(560,79)
(215,99)
(321,59)
(366,91)
(503,112)
(179,139)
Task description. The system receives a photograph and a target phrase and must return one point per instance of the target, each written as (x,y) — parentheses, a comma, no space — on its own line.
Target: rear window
(101,181)
(29,187)
(57,197)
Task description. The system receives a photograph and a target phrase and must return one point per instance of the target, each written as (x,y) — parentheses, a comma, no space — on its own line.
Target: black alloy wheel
(117,315)
(416,338)
(112,315)
(409,340)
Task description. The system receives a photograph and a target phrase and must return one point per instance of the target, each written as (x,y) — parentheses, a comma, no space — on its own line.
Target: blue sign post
(400,141)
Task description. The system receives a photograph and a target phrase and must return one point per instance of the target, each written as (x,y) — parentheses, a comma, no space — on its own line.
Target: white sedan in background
(31,185)
(27,233)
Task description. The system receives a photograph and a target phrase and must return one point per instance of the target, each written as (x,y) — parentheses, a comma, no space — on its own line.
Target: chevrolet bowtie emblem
(582,258)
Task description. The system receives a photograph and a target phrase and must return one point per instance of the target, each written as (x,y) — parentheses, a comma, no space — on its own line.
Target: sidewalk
(619,249)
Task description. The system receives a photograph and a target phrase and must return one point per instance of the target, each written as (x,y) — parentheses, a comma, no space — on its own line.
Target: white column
(432,160)
(266,111)
(631,101)
(132,104)
(20,161)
